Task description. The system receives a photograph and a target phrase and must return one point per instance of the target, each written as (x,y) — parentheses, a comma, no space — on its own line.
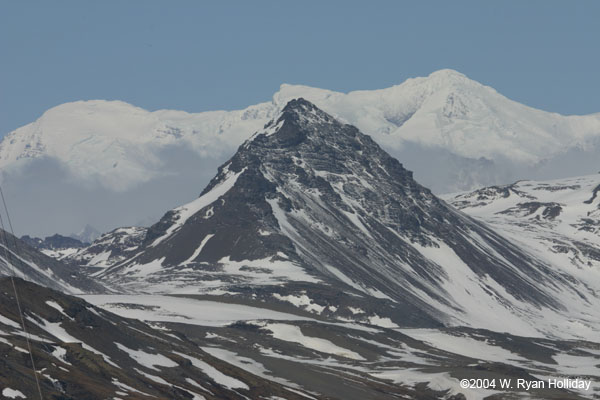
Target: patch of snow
(245,363)
(61,354)
(382,322)
(463,345)
(199,249)
(9,322)
(184,310)
(17,348)
(56,306)
(152,377)
(302,301)
(127,388)
(292,333)
(215,374)
(13,394)
(146,359)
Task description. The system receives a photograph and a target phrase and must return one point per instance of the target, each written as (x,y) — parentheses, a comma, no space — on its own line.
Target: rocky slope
(20,259)
(83,352)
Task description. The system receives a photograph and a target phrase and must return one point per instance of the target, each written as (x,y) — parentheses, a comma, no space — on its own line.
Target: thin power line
(12,279)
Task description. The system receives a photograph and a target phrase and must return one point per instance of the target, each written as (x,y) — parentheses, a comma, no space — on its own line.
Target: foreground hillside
(198,349)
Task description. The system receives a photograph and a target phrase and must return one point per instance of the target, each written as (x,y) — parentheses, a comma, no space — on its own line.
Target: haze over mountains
(125,165)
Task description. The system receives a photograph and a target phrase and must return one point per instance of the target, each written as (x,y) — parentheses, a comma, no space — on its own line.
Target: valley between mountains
(314,266)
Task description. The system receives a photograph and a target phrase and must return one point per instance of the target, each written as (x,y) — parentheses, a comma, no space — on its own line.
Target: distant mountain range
(454,133)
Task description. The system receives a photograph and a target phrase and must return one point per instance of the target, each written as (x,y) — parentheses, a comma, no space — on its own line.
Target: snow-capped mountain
(109,249)
(310,205)
(559,220)
(445,110)
(455,133)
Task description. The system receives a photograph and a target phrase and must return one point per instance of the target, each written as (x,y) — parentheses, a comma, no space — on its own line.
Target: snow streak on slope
(181,214)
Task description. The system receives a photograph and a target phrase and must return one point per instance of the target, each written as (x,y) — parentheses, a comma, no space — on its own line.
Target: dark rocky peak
(299,119)
(305,137)
(308,138)
(303,152)
(311,199)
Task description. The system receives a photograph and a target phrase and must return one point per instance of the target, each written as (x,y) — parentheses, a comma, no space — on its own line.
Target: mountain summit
(310,206)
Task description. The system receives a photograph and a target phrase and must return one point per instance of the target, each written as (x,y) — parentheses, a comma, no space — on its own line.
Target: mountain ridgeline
(127,163)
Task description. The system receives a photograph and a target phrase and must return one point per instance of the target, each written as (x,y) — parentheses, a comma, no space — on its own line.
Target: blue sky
(200,55)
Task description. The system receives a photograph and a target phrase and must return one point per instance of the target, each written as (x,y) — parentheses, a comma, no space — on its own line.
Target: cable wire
(12,279)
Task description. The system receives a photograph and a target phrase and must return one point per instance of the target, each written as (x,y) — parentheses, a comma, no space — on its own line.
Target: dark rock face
(549,210)
(594,194)
(320,194)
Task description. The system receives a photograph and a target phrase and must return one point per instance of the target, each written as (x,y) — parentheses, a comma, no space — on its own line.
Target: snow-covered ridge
(558,221)
(563,216)
(120,144)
